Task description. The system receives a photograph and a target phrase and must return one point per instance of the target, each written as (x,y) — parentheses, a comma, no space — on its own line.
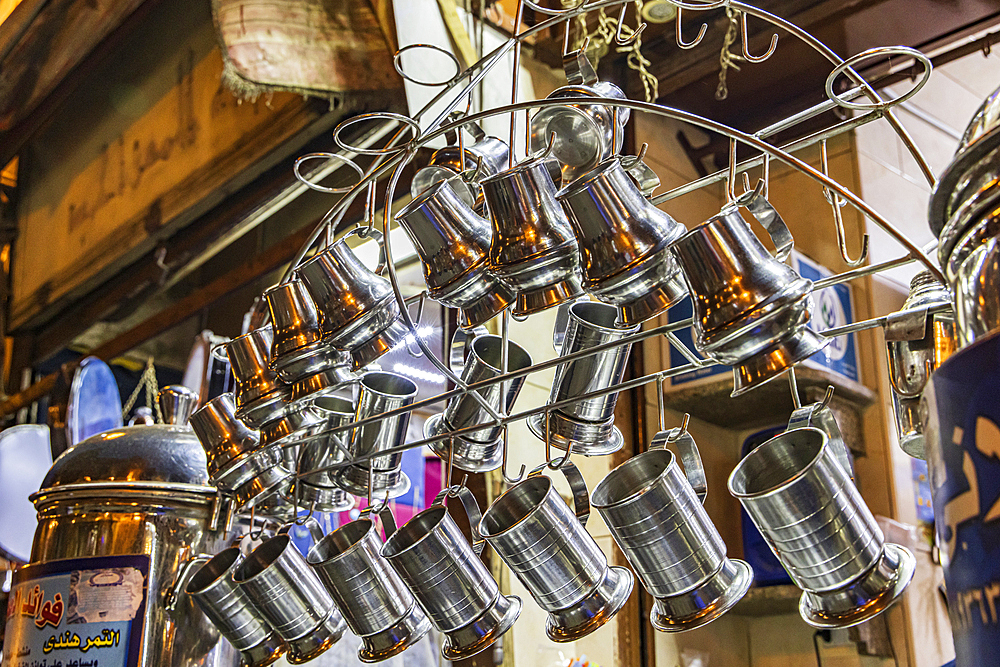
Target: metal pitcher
(481,450)
(260,395)
(533,249)
(375,603)
(750,308)
(917,343)
(359,313)
(812,516)
(454,243)
(286,591)
(547,546)
(624,243)
(451,584)
(232,612)
(380,392)
(588,424)
(657,518)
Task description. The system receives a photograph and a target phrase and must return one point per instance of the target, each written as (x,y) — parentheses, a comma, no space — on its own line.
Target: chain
(727,58)
(147,382)
(605,31)
(639,62)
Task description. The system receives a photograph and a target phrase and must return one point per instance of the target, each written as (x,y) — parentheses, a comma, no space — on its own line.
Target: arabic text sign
(77,613)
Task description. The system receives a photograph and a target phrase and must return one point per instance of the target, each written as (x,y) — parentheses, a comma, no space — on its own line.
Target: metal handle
(579,70)
(471,510)
(173,594)
(577,486)
(460,342)
(385,517)
(761,209)
(690,457)
(365,233)
(820,416)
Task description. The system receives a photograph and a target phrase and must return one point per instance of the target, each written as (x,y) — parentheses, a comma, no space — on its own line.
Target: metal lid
(154,455)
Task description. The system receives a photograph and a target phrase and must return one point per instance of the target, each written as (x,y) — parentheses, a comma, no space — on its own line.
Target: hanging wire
(727,58)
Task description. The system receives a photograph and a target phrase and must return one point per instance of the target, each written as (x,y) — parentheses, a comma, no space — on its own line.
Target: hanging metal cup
(488,155)
(280,583)
(315,489)
(481,450)
(750,308)
(236,461)
(454,243)
(654,511)
(624,243)
(375,603)
(584,133)
(451,584)
(546,545)
(260,395)
(358,310)
(812,516)
(588,424)
(231,610)
(533,249)
(380,392)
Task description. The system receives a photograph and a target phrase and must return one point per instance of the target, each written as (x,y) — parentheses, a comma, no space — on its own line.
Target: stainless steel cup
(449,582)
(237,463)
(533,249)
(665,533)
(479,451)
(807,508)
(624,243)
(232,612)
(454,244)
(319,490)
(750,309)
(588,424)
(279,582)
(380,392)
(375,603)
(546,545)
(358,311)
(488,155)
(916,345)
(260,395)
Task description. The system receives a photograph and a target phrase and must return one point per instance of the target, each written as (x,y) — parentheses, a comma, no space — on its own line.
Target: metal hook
(476,173)
(371,483)
(680,35)
(825,403)
(451,490)
(503,466)
(301,521)
(582,49)
(369,210)
(838,219)
(676,435)
(731,178)
(621,22)
(659,403)
(260,533)
(565,459)
(746,49)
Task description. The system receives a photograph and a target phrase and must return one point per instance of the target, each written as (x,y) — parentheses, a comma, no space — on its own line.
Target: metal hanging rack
(390,161)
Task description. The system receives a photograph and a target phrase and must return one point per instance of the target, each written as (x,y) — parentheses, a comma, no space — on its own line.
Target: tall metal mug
(449,581)
(546,545)
(656,516)
(812,516)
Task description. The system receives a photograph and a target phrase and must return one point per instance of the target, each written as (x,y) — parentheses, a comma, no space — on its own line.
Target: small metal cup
(451,584)
(533,248)
(223,437)
(588,424)
(665,533)
(294,319)
(260,395)
(807,508)
(380,392)
(454,244)
(479,451)
(375,603)
(624,243)
(232,612)
(358,311)
(319,490)
(280,583)
(546,545)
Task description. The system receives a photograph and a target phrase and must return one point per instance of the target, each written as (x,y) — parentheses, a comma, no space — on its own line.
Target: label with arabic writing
(86,612)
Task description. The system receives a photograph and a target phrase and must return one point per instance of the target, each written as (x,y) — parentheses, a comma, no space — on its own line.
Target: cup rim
(521,167)
(785,483)
(584,304)
(230,556)
(395,377)
(387,552)
(354,545)
(529,480)
(246,561)
(512,345)
(724,212)
(589,176)
(637,493)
